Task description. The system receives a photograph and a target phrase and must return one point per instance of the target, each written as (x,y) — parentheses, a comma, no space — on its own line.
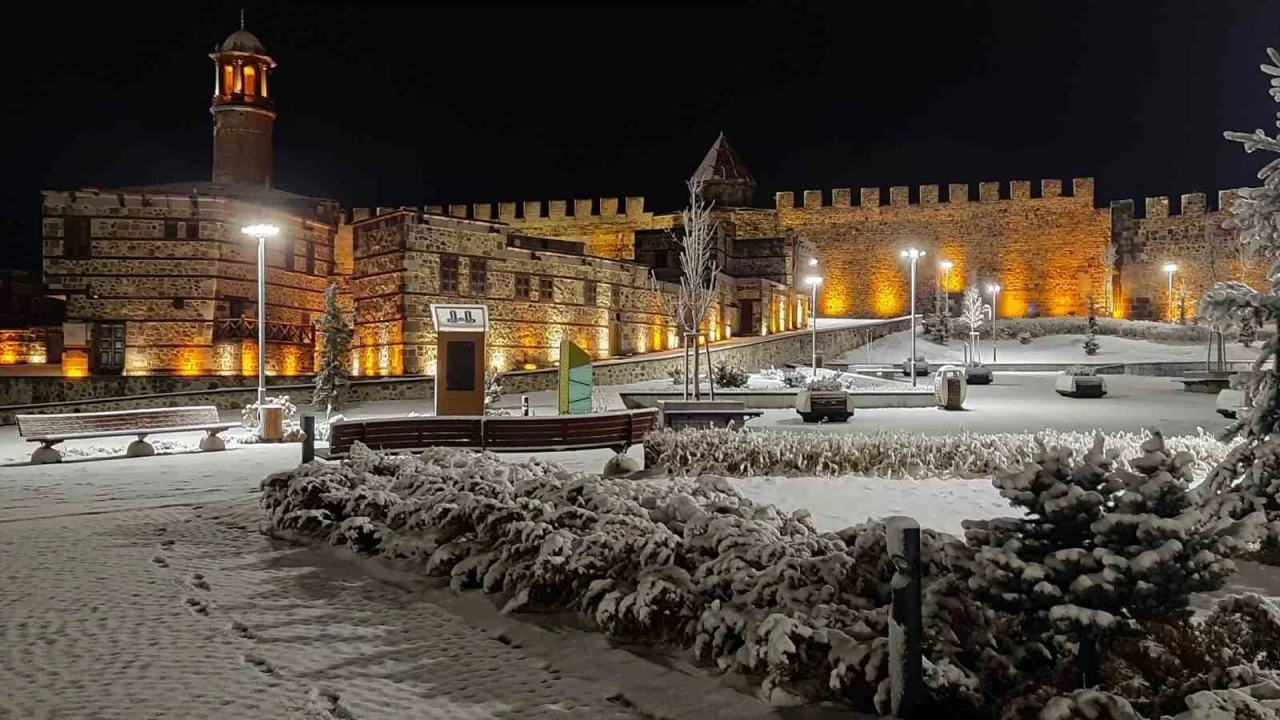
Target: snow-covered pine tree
(1248,479)
(1091,338)
(335,338)
(1248,331)
(1099,548)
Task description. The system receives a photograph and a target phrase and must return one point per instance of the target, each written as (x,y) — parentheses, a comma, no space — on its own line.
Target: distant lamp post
(262,231)
(994,289)
(913,254)
(814,281)
(945,266)
(1170,269)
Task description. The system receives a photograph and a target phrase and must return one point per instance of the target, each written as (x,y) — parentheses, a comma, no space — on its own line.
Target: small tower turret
(244,114)
(725,180)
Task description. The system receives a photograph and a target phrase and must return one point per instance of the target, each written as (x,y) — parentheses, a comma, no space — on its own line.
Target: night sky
(400,105)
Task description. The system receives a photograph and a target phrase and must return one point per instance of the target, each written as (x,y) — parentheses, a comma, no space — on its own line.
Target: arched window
(250,80)
(228,79)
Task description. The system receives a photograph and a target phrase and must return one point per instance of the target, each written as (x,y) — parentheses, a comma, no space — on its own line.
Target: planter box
(978,375)
(1230,403)
(922,368)
(681,414)
(1081,386)
(824,405)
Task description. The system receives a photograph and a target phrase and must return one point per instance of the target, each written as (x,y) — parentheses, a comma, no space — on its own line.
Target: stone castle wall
(169,267)
(1190,236)
(604,226)
(1044,251)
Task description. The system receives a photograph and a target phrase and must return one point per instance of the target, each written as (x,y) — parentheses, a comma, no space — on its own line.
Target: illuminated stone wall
(23,347)
(169,266)
(398,277)
(605,226)
(1043,250)
(1190,236)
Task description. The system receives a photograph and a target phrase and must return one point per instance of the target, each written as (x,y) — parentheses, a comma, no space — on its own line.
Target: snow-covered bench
(49,430)
(617,430)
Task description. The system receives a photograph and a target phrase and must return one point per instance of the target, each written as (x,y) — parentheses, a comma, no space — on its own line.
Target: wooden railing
(247,329)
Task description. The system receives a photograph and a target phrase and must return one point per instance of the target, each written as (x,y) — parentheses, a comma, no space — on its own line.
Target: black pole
(308,438)
(906,665)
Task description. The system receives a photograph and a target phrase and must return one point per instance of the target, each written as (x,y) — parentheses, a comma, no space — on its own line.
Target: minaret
(243,113)
(725,180)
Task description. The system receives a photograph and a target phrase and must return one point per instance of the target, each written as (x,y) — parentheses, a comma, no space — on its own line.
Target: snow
(1057,349)
(840,502)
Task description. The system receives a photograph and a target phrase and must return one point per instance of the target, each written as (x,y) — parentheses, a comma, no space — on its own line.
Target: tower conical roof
(722,163)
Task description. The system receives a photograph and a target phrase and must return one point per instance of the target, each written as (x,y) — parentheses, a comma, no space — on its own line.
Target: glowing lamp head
(913,253)
(1171,268)
(946,265)
(261,230)
(814,280)
(813,261)
(993,288)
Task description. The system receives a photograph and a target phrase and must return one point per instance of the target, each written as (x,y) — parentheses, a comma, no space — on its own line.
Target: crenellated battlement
(1158,207)
(900,195)
(582,210)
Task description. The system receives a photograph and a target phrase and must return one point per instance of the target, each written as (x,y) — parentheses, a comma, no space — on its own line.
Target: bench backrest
(614,429)
(116,421)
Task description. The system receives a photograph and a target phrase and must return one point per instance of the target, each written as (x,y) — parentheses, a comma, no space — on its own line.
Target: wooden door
(108,348)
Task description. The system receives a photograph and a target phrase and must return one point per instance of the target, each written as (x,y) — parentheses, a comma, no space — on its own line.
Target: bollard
(524,406)
(906,668)
(309,438)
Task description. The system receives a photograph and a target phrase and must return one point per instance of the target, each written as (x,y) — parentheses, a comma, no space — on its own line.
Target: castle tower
(243,112)
(725,180)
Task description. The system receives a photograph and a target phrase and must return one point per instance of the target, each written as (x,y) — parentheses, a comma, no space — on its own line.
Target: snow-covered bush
(1101,548)
(1091,337)
(1080,371)
(1024,338)
(678,562)
(897,454)
(249,419)
(493,393)
(677,375)
(725,375)
(825,384)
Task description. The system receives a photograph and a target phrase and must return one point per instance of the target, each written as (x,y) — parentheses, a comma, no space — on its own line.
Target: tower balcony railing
(247,329)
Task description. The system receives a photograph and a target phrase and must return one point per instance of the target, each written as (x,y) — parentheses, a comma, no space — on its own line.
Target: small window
(290,261)
(193,230)
(250,80)
(479,277)
(311,258)
(589,292)
(237,308)
(524,287)
(546,289)
(75,240)
(171,229)
(228,79)
(448,274)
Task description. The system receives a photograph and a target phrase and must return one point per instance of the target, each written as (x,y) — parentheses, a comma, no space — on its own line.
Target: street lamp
(994,289)
(946,266)
(262,231)
(913,254)
(1170,269)
(814,281)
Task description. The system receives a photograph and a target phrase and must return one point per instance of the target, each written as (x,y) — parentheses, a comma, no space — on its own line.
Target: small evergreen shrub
(1081,371)
(725,375)
(1024,338)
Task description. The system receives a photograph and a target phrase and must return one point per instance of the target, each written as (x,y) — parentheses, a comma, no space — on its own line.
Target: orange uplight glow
(189,362)
(249,359)
(291,359)
(75,364)
(8,354)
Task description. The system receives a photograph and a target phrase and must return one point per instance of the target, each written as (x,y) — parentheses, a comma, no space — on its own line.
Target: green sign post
(575,379)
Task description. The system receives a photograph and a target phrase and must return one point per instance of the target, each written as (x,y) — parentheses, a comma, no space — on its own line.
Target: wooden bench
(1207,382)
(615,430)
(49,430)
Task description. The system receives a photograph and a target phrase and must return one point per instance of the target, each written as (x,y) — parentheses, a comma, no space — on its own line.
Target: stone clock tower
(243,112)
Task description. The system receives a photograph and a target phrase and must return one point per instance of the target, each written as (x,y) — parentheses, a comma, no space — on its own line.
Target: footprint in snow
(167,543)
(259,663)
(243,630)
(197,606)
(330,704)
(198,582)
(160,560)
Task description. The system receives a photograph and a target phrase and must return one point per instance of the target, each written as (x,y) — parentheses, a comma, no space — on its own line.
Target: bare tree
(698,269)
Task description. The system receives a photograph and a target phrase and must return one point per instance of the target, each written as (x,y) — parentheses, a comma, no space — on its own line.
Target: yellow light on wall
(75,364)
(189,362)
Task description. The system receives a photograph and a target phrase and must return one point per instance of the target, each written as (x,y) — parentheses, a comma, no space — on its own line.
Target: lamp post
(262,231)
(1170,269)
(913,254)
(994,289)
(814,281)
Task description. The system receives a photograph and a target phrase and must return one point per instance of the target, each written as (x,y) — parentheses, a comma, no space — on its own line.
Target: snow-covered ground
(1058,349)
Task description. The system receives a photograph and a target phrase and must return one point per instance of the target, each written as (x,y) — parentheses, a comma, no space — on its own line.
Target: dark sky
(394,104)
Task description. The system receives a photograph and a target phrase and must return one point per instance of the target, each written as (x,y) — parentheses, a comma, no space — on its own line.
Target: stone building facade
(161,280)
